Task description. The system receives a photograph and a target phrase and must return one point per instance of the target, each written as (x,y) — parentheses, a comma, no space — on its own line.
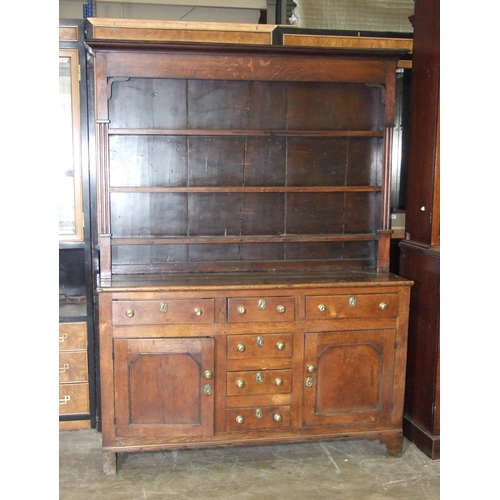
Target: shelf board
(191,240)
(243,132)
(247,189)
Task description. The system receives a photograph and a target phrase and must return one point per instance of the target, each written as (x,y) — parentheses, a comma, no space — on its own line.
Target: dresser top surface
(248,280)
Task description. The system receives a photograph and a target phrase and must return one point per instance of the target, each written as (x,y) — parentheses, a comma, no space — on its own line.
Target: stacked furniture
(244,235)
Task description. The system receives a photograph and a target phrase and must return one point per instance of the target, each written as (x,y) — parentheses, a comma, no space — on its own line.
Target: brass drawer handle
(198,311)
(63,337)
(277,417)
(281,309)
(311,368)
(208,374)
(321,308)
(241,347)
(240,419)
(240,383)
(279,382)
(129,313)
(383,306)
(280,346)
(241,310)
(64,368)
(65,400)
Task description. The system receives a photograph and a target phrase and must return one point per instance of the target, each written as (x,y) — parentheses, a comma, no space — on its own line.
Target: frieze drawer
(250,309)
(352,306)
(157,312)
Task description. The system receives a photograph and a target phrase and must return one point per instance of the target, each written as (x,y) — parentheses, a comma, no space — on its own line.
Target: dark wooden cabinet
(420,250)
(243,232)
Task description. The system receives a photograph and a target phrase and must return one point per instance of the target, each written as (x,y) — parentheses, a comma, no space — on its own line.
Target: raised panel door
(348,377)
(164,387)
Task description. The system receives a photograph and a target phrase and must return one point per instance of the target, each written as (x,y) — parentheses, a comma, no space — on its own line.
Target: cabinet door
(348,377)
(164,387)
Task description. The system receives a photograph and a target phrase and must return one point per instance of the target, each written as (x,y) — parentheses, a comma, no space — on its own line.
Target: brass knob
(241,310)
(279,382)
(240,419)
(321,308)
(240,383)
(311,368)
(280,346)
(129,313)
(208,374)
(241,347)
(281,309)
(383,306)
(277,417)
(198,311)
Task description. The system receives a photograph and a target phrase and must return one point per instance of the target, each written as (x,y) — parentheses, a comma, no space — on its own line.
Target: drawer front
(251,309)
(72,336)
(73,367)
(242,419)
(255,382)
(352,306)
(158,312)
(269,345)
(73,398)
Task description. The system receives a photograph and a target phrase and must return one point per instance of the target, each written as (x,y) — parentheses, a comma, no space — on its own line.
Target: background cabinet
(420,251)
(244,233)
(77,396)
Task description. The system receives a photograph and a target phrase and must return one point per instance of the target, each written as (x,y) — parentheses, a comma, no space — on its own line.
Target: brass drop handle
(63,337)
(208,374)
(64,368)
(321,308)
(383,306)
(240,383)
(241,347)
(277,417)
(65,400)
(311,368)
(129,313)
(280,345)
(198,311)
(241,310)
(240,419)
(281,309)
(279,382)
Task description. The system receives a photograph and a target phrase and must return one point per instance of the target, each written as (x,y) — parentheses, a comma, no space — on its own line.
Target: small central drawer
(269,345)
(352,306)
(257,382)
(158,312)
(251,309)
(242,419)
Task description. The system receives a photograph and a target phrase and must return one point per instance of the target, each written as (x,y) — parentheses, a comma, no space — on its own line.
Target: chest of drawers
(200,364)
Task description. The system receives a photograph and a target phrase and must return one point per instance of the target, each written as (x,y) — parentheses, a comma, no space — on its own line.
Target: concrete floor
(355,469)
